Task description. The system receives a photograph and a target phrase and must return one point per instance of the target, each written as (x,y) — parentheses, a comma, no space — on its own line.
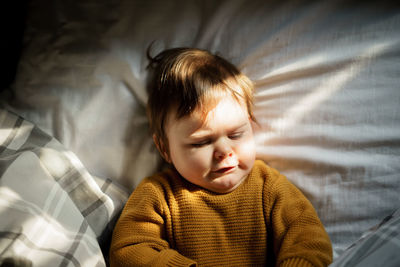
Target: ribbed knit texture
(265,221)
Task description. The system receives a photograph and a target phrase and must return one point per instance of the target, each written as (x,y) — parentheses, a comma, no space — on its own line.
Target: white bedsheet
(326,76)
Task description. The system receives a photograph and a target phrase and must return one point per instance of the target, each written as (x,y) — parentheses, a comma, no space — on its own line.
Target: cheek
(199,158)
(246,151)
(189,161)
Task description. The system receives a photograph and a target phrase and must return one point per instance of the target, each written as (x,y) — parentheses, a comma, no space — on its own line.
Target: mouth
(225,170)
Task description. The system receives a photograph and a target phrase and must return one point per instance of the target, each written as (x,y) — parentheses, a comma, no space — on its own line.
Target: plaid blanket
(379,246)
(52,211)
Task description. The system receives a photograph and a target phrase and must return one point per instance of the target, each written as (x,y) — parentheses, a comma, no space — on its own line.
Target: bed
(74,139)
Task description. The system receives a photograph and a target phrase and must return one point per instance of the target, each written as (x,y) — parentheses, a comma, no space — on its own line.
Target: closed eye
(201,144)
(236,136)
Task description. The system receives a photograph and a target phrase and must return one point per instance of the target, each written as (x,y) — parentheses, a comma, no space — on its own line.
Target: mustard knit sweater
(266,221)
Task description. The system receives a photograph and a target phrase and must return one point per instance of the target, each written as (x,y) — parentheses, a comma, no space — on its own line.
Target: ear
(161,148)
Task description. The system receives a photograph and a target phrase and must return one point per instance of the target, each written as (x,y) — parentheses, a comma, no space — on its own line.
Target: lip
(225,170)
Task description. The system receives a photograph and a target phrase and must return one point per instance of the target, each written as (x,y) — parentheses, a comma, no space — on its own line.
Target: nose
(222,151)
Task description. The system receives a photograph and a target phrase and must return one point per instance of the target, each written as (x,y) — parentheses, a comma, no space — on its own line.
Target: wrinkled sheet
(52,212)
(327,90)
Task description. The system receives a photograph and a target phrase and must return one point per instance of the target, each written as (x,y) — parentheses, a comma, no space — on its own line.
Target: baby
(216,205)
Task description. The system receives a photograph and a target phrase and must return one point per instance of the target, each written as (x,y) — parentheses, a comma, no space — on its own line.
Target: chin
(227,186)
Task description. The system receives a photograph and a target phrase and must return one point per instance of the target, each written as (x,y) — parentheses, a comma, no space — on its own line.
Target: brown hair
(184,79)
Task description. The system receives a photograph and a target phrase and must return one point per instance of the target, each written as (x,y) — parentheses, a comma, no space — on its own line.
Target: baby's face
(215,151)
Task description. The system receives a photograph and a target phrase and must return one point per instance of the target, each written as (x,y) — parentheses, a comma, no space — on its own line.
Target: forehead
(228,112)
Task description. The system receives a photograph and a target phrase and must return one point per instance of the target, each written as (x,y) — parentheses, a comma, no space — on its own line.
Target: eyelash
(234,136)
(201,144)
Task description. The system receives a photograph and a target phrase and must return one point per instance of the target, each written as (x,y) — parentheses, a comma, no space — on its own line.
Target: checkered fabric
(379,246)
(52,211)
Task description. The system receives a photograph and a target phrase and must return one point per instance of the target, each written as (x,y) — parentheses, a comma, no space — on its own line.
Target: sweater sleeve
(139,235)
(299,238)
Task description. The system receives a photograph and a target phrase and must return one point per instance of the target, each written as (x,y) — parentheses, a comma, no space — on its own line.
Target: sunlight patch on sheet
(327,88)
(4,133)
(303,64)
(40,225)
(9,194)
